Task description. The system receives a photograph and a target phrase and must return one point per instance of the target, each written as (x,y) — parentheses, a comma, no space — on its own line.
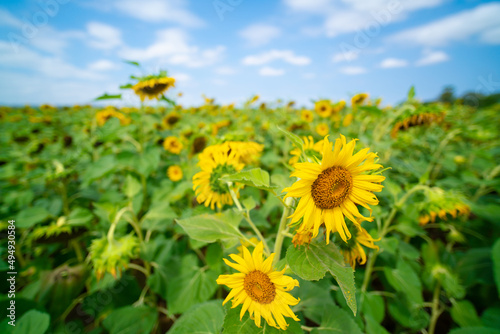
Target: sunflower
(104,115)
(174,173)
(310,149)
(332,189)
(246,152)
(358,99)
(206,184)
(338,106)
(323,108)
(307,115)
(322,129)
(170,120)
(173,145)
(261,289)
(352,249)
(153,87)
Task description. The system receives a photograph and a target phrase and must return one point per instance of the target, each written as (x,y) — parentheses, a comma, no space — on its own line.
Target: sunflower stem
(436,312)
(281,236)
(246,215)
(385,229)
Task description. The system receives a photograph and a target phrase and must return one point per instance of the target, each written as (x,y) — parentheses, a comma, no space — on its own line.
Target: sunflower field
(338,217)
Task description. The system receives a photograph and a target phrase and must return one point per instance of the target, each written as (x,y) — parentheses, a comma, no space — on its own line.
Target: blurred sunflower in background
(208,188)
(332,189)
(323,108)
(306,115)
(358,99)
(261,289)
(322,129)
(172,145)
(353,250)
(310,149)
(174,173)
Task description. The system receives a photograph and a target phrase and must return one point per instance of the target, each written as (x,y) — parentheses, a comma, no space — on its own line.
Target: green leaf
(32,322)
(491,317)
(159,217)
(406,314)
(373,306)
(255,177)
(106,96)
(132,186)
(312,262)
(127,86)
(210,228)
(411,93)
(296,140)
(31,216)
(405,280)
(464,314)
(373,327)
(131,320)
(169,101)
(99,168)
(203,318)
(495,255)
(475,330)
(193,285)
(233,324)
(79,217)
(336,320)
(131,62)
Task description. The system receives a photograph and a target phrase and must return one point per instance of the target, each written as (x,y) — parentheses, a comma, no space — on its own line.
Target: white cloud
(103,65)
(172,47)
(260,34)
(269,56)
(309,75)
(353,70)
(225,70)
(308,5)
(345,56)
(482,21)
(47,66)
(271,72)
(160,11)
(432,57)
(9,20)
(491,36)
(349,16)
(393,63)
(103,36)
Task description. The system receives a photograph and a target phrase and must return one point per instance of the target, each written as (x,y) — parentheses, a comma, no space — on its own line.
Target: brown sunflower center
(259,287)
(332,187)
(156,89)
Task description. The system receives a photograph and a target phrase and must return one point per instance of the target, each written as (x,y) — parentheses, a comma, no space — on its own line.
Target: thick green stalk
(282,229)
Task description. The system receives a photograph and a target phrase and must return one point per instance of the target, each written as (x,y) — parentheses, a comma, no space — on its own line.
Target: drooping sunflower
(332,189)
(358,99)
(206,184)
(261,289)
(172,145)
(310,148)
(352,249)
(152,87)
(323,108)
(174,173)
(104,115)
(347,120)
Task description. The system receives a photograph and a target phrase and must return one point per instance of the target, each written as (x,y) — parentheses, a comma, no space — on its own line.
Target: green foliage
(313,261)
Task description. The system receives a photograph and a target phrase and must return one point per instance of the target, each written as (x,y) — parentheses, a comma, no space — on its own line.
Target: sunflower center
(156,89)
(332,187)
(259,287)
(216,185)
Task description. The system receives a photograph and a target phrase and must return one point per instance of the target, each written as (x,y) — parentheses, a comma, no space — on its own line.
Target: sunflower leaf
(256,177)
(201,318)
(293,137)
(210,228)
(106,96)
(233,324)
(313,261)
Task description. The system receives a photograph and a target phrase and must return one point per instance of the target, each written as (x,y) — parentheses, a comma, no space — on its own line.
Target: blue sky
(71,51)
